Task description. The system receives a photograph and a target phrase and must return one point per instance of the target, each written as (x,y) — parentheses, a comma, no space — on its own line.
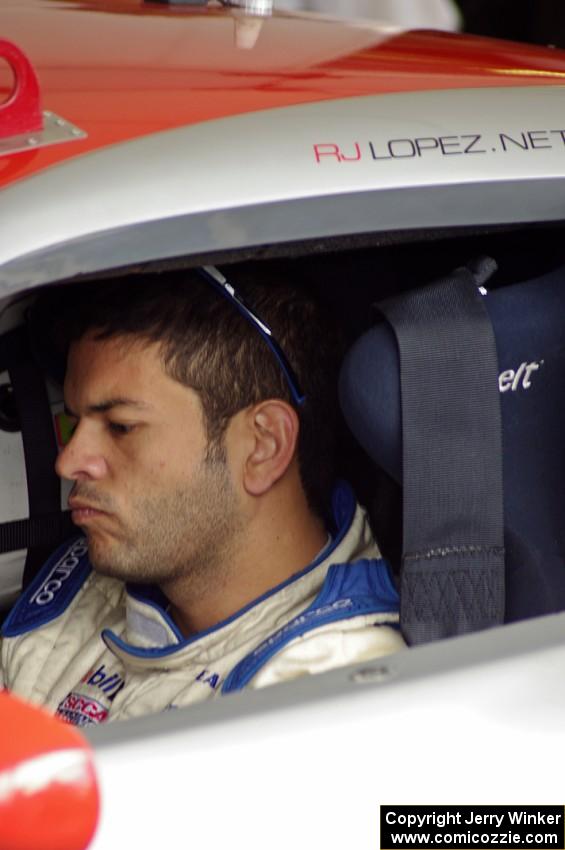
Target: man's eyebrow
(110,404)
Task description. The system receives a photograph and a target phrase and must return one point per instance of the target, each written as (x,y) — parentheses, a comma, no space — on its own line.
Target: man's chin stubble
(123,563)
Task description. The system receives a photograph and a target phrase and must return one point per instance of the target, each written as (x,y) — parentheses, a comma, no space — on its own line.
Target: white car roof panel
(392,162)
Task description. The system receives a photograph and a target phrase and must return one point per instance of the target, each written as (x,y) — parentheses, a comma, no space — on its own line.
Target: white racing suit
(90,648)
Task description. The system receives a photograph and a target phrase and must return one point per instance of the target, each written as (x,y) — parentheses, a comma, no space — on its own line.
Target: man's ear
(274,428)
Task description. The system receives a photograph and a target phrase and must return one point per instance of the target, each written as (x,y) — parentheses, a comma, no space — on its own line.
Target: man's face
(151,503)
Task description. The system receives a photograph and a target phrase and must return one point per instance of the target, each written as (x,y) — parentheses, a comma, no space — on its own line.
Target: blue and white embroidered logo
(207,677)
(53,589)
(59,574)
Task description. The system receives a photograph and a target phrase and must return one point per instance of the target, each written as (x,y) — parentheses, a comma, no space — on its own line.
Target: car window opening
(523,305)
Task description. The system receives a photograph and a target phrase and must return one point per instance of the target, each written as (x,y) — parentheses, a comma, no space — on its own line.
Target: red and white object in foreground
(48,789)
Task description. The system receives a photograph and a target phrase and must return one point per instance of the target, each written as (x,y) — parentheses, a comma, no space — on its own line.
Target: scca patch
(91,701)
(80,710)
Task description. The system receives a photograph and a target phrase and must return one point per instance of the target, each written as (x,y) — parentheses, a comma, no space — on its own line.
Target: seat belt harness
(452,579)
(47,525)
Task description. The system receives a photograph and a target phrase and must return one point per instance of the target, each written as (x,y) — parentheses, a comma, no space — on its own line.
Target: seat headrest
(529,325)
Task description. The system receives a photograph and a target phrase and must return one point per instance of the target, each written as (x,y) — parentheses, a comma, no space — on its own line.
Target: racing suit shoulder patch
(349,590)
(52,590)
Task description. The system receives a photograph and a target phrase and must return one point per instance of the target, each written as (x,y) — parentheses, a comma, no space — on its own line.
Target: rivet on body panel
(372,675)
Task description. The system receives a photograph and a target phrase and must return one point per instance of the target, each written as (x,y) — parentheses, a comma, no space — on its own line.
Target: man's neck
(268,554)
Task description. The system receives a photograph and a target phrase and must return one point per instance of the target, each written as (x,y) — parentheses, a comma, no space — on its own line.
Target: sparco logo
(60,573)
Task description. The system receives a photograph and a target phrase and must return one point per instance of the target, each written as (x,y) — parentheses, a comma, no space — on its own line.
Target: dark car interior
(453,442)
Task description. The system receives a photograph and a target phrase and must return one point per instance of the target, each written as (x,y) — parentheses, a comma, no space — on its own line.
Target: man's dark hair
(209,346)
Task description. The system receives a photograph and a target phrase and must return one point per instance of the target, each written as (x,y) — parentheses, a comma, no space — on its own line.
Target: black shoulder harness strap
(47,525)
(453,539)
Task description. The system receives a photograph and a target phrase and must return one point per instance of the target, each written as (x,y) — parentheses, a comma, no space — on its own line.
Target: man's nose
(81,458)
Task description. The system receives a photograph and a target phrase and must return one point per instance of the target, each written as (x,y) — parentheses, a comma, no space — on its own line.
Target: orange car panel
(49,792)
(164,66)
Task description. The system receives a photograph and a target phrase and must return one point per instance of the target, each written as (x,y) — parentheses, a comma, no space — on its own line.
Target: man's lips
(82,511)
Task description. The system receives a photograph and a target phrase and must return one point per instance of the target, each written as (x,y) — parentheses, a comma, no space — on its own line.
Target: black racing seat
(528,320)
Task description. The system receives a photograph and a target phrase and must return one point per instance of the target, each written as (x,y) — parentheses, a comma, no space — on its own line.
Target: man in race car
(216,551)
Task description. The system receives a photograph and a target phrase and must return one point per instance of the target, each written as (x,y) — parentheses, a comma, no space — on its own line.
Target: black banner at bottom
(472,827)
